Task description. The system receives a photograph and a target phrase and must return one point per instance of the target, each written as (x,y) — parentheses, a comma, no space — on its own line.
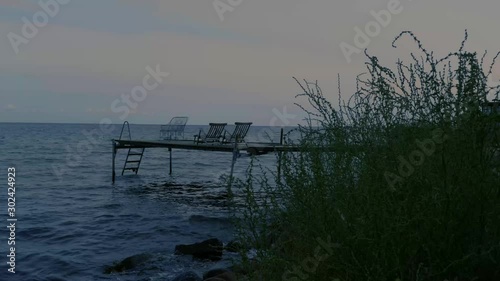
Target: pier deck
(253,148)
(250,147)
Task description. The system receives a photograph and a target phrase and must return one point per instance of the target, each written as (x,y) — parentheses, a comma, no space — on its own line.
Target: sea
(70,221)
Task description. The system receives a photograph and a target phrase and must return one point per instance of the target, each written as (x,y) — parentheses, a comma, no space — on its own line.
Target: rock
(227,276)
(128,263)
(188,276)
(234,246)
(214,272)
(210,249)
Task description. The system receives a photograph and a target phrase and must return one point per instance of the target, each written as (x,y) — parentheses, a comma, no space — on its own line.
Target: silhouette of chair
(174,129)
(239,133)
(214,134)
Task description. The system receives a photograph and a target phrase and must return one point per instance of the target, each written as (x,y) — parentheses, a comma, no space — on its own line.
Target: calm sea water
(72,221)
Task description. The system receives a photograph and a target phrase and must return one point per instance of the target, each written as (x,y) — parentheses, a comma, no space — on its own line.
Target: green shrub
(399,180)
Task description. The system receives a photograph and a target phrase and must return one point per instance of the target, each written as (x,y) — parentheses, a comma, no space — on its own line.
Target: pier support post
(170,160)
(113,175)
(279,165)
(235,156)
(280,155)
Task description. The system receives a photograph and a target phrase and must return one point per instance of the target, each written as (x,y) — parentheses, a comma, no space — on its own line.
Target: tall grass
(401,180)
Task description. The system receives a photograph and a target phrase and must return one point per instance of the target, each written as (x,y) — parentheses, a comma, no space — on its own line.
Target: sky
(211,60)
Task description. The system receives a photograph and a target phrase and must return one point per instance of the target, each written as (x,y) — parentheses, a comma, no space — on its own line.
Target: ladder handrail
(128,128)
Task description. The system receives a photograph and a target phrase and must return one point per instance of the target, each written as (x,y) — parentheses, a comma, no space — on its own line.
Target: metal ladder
(131,163)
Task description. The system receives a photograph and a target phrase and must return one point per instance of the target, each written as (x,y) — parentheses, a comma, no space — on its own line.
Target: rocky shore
(209,250)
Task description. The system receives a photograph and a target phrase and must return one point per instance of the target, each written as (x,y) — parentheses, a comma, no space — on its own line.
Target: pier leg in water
(280,155)
(113,175)
(170,159)
(235,156)
(279,165)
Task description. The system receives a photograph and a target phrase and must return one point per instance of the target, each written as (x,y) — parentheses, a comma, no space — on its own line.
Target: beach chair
(214,134)
(239,133)
(174,129)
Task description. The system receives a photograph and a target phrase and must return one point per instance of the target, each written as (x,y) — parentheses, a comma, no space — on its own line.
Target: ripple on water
(39,232)
(112,206)
(207,219)
(46,263)
(67,223)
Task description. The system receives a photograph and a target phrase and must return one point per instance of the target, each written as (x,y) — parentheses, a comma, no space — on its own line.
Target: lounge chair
(174,129)
(239,133)
(214,134)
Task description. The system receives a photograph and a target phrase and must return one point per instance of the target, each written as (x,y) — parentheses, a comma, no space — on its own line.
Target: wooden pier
(250,147)
(136,149)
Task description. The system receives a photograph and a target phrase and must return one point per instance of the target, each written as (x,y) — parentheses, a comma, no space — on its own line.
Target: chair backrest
(240,131)
(174,128)
(214,132)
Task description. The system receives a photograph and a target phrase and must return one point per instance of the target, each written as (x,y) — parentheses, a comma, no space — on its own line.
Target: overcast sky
(228,60)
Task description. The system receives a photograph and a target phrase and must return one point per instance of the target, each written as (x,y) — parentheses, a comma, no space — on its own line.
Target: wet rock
(234,246)
(214,272)
(128,263)
(210,249)
(188,276)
